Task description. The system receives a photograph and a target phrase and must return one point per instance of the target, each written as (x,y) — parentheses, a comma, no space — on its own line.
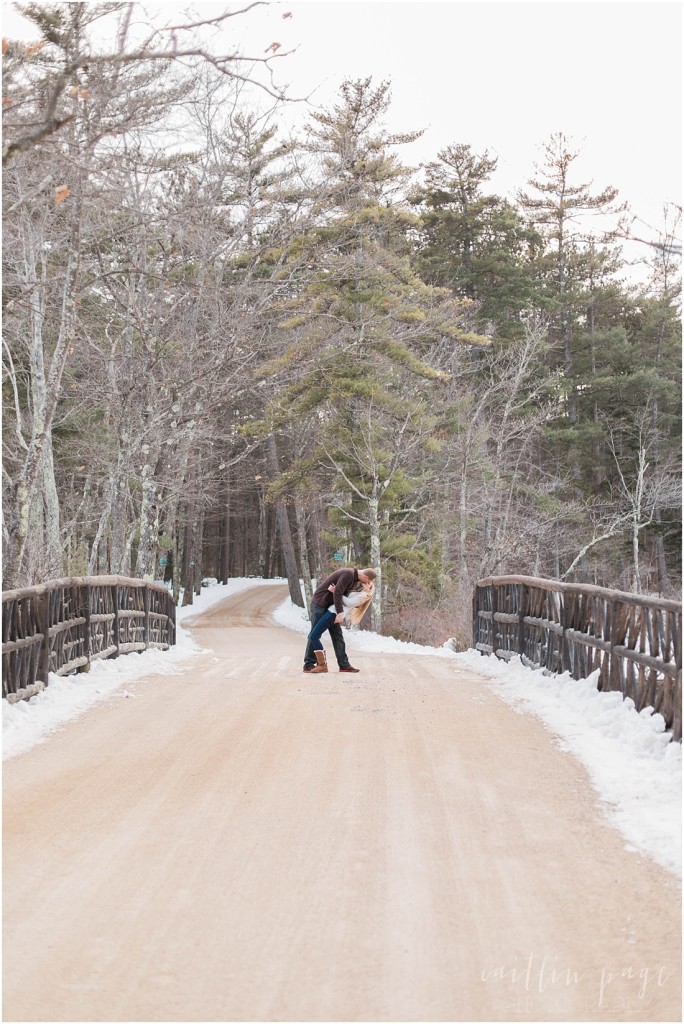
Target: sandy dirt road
(246,843)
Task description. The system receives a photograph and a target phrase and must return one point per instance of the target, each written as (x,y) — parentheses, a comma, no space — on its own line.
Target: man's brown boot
(321,662)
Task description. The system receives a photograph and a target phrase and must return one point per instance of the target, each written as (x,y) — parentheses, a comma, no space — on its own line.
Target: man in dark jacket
(343,580)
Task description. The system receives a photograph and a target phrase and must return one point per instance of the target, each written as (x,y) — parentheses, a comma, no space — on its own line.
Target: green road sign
(163,560)
(338,556)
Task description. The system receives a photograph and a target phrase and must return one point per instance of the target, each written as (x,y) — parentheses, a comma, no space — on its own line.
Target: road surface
(246,843)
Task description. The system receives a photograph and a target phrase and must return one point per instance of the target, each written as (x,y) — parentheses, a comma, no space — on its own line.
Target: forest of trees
(233,350)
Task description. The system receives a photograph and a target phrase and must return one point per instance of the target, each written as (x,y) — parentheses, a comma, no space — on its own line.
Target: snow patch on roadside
(288,615)
(633,765)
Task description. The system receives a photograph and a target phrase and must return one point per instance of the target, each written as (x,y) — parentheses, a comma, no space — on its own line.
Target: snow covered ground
(634,769)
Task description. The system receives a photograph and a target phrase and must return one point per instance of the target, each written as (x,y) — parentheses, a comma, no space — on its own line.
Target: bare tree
(41,79)
(644,489)
(118,255)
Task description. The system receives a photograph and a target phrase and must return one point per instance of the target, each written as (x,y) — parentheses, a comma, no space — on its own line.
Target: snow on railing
(634,641)
(63,625)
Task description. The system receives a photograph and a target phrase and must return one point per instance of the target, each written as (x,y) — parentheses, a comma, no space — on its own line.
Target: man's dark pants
(336,636)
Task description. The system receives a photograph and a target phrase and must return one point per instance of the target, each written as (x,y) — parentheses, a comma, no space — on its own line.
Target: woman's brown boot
(321,662)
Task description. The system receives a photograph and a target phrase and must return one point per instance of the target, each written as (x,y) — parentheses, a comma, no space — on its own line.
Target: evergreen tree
(475,243)
(624,438)
(574,254)
(362,339)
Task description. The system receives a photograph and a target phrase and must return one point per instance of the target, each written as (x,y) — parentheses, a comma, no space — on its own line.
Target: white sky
(500,76)
(504,76)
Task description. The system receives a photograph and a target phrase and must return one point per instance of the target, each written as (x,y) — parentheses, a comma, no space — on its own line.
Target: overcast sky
(501,76)
(504,76)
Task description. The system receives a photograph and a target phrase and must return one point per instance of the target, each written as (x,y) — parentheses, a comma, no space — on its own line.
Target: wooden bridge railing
(65,624)
(635,641)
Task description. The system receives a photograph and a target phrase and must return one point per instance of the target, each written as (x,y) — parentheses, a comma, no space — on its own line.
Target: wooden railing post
(495,609)
(43,617)
(477,597)
(613,667)
(116,635)
(146,619)
(85,604)
(521,619)
(171,623)
(677,650)
(566,660)
(677,704)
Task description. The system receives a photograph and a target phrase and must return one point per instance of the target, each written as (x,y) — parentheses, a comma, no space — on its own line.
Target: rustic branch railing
(635,641)
(65,624)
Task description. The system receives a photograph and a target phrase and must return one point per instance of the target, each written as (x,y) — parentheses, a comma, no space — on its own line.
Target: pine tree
(475,243)
(362,339)
(559,209)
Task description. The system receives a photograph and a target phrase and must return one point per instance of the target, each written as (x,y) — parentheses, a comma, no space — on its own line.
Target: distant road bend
(247,843)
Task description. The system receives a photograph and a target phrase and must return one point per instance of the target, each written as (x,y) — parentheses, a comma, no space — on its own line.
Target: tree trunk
(303,549)
(269,552)
(284,532)
(224,536)
(53,535)
(262,554)
(635,555)
(148,543)
(177,569)
(120,528)
(638,505)
(661,563)
(45,388)
(463,523)
(197,547)
(316,550)
(374,524)
(188,564)
(101,527)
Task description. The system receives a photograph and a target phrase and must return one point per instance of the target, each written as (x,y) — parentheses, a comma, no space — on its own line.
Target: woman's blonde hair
(358,611)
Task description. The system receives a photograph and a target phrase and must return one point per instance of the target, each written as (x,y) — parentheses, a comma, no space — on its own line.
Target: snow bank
(286,614)
(633,765)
